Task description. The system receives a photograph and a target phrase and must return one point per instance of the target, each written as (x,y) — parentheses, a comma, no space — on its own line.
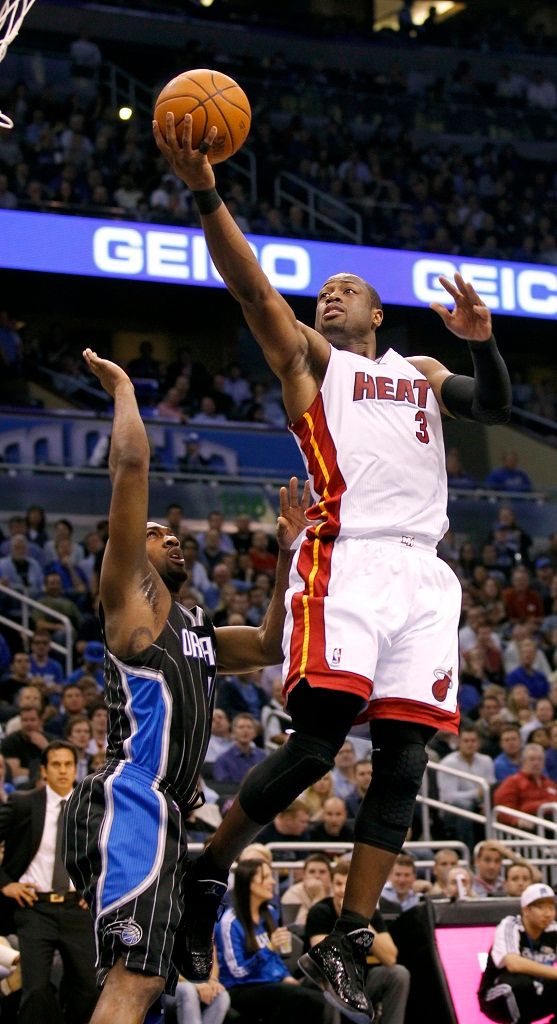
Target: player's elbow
(254,293)
(491,417)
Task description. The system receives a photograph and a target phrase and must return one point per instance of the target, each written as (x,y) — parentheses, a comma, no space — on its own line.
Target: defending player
(372,613)
(125,828)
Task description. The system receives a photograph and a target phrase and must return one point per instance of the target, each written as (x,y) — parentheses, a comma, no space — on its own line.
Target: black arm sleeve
(485,397)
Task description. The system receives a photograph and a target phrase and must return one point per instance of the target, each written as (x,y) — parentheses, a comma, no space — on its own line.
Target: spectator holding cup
(250,947)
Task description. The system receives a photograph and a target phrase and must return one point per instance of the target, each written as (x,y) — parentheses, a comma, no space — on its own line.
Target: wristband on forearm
(207,199)
(486,397)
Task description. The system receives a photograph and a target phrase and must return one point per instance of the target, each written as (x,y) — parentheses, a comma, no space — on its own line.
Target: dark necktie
(60,877)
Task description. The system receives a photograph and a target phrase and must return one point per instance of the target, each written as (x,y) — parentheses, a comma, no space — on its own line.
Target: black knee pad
(399,761)
(280,778)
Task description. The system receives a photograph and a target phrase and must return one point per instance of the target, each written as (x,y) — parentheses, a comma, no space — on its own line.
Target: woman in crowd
(204,1003)
(315,796)
(249,944)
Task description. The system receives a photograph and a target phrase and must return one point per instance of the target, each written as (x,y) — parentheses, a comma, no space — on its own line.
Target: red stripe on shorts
(412,711)
(307,646)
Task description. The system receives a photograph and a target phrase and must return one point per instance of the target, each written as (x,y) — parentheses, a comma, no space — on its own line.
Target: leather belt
(56,897)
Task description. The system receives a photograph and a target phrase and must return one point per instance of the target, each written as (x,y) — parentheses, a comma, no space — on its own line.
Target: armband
(487,396)
(207,199)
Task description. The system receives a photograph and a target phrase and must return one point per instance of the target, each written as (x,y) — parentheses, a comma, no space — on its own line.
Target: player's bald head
(345,275)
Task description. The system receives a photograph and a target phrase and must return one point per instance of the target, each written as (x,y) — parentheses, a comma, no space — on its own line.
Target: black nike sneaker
(193,942)
(337,965)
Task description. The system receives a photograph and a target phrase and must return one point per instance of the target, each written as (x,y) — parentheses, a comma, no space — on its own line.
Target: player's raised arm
(125,558)
(269,316)
(487,396)
(244,648)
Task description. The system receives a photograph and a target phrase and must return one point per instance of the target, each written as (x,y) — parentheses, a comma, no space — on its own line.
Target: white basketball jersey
(373,446)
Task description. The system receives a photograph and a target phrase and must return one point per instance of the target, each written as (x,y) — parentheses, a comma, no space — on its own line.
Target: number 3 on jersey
(422,433)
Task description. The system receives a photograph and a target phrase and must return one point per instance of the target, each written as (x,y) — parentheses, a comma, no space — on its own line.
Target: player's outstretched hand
(470,318)
(109,374)
(190,165)
(292,515)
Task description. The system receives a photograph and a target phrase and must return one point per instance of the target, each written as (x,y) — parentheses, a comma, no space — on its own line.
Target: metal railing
(540,426)
(26,630)
(313,202)
(428,801)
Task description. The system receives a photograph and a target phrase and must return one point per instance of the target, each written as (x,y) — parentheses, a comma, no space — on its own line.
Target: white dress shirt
(39,871)
(463,792)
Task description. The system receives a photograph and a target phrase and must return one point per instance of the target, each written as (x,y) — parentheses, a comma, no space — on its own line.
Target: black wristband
(207,199)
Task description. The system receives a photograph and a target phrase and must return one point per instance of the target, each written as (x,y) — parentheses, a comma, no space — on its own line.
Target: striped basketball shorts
(126,850)
(377,618)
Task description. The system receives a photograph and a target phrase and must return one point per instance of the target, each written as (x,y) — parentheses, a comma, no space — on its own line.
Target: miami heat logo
(443,683)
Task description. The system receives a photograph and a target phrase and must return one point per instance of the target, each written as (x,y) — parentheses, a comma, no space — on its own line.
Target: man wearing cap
(193,460)
(519,983)
(93,659)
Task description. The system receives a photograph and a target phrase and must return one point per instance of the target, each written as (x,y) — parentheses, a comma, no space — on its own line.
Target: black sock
(349,920)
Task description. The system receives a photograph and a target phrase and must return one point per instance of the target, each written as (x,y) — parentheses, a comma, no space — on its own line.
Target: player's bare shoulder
(434,372)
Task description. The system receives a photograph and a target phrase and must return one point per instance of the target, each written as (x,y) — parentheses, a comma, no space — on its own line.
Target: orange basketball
(212,99)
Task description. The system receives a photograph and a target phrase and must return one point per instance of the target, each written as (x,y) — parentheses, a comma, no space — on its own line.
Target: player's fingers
(293,491)
(157,133)
(468,290)
(450,287)
(306,496)
(186,133)
(207,142)
(283,500)
(443,312)
(482,311)
(170,132)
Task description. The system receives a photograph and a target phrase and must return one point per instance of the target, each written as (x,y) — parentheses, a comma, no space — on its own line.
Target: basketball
(211,98)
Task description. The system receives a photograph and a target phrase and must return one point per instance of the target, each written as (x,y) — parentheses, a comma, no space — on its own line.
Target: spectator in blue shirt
(243,754)
(456,474)
(5,654)
(242,693)
(509,761)
(74,580)
(251,967)
(72,703)
(93,660)
(535,681)
(551,753)
(508,477)
(41,663)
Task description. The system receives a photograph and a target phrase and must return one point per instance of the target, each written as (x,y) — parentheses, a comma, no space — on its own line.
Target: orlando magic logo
(129,931)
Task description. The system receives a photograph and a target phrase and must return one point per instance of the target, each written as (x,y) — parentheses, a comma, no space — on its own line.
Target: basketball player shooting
(371,612)
(126,837)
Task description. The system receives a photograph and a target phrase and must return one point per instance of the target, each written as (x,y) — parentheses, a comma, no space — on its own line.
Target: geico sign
(501,287)
(183,257)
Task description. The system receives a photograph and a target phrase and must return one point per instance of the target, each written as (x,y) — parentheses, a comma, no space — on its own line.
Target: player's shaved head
(345,275)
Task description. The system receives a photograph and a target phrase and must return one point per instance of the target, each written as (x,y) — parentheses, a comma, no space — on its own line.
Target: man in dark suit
(38,900)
